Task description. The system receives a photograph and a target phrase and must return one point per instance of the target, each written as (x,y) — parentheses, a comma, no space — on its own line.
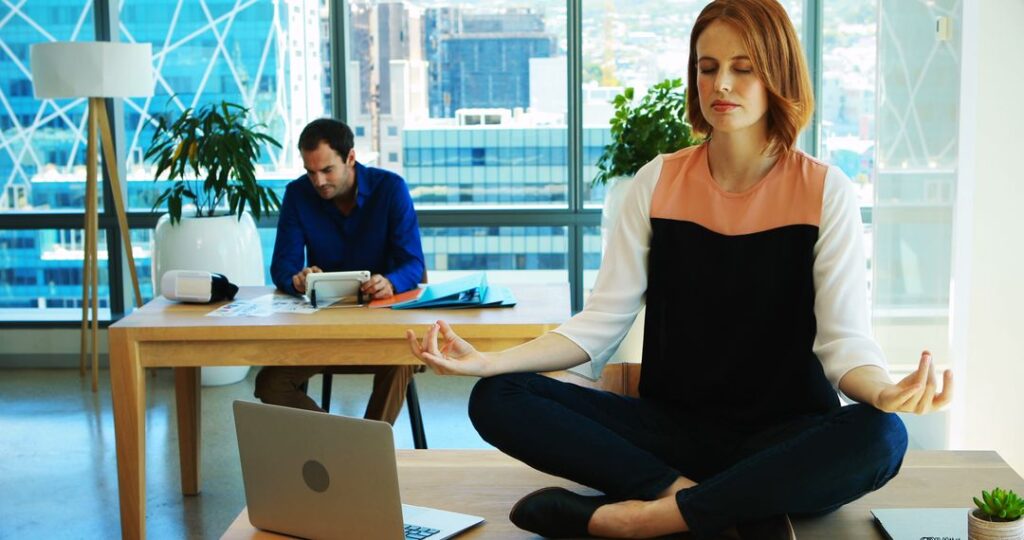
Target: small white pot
(980,529)
(220,244)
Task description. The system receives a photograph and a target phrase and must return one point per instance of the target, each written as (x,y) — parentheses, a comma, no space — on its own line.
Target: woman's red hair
(777,58)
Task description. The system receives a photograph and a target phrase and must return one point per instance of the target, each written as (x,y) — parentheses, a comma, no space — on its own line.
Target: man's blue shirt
(380,234)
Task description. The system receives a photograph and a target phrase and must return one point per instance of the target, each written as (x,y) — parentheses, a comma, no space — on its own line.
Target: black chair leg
(412,401)
(325,393)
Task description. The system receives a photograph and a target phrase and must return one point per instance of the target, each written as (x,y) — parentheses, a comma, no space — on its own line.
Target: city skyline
(273,57)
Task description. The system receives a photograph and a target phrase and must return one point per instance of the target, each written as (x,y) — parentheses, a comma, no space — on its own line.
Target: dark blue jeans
(632,448)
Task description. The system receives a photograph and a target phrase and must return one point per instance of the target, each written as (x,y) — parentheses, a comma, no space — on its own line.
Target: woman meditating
(748,255)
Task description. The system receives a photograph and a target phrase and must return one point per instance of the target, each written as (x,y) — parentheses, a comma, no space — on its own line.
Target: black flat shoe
(554,512)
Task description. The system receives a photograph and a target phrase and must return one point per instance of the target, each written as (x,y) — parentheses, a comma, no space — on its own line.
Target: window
(233,52)
(473,70)
(542,250)
(41,275)
(42,148)
(625,47)
(915,182)
(42,164)
(480,122)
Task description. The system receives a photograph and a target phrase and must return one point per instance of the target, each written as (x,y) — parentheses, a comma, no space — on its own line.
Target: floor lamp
(95,70)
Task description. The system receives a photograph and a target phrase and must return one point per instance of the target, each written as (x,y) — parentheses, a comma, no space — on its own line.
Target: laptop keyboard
(412,532)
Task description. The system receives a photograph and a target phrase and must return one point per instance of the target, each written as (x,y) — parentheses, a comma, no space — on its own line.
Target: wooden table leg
(189,404)
(128,389)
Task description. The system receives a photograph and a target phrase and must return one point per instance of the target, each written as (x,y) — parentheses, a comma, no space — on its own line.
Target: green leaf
(656,124)
(174,208)
(226,147)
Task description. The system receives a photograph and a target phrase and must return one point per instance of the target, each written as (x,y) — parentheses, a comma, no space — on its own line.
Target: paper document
(264,306)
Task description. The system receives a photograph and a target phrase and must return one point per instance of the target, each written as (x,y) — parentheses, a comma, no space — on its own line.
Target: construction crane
(608,77)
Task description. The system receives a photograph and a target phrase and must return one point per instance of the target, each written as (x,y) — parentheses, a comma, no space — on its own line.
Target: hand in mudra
(916,393)
(455,357)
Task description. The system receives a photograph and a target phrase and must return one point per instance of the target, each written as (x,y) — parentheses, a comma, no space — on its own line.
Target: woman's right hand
(455,357)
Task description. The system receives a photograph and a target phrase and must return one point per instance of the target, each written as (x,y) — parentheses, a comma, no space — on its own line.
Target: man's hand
(916,393)
(378,287)
(299,280)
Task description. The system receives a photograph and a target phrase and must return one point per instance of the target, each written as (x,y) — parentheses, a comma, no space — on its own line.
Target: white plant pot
(631,348)
(221,244)
(980,529)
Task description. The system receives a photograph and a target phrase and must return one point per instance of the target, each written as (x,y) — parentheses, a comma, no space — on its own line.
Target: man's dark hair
(334,132)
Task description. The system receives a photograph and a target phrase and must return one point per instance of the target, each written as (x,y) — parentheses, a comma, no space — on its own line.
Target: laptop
(922,523)
(317,475)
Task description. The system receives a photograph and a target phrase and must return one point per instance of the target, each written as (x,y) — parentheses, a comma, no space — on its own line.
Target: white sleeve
(620,290)
(844,340)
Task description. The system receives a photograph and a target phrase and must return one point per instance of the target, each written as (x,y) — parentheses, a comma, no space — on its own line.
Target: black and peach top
(756,301)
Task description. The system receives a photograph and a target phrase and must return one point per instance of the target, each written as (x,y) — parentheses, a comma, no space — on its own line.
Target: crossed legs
(675,473)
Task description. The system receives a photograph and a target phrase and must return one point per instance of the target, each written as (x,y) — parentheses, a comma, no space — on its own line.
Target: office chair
(412,403)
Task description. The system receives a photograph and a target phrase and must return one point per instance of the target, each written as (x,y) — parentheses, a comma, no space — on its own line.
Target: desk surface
(538,309)
(164,333)
(488,483)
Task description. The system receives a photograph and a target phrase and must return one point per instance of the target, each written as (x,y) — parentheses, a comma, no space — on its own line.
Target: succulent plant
(1000,505)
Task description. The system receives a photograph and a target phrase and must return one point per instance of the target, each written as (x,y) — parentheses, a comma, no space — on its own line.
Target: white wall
(988,325)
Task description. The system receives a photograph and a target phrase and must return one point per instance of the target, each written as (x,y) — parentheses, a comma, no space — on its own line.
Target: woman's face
(732,97)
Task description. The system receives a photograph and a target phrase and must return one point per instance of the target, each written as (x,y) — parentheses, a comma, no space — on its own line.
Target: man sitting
(340,216)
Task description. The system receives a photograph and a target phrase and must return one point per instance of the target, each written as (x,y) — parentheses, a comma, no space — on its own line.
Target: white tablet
(329,287)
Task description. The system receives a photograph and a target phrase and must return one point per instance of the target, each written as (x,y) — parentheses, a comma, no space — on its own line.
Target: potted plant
(641,130)
(997,516)
(209,154)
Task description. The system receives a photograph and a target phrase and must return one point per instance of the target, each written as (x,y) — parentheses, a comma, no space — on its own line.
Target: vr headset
(196,286)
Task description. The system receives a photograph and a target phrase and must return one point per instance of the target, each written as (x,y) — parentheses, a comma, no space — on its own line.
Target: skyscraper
(482,59)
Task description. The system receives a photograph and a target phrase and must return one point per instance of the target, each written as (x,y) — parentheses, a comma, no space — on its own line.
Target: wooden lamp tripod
(95,70)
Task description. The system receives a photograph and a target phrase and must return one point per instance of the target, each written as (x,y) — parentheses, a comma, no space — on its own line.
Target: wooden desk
(164,333)
(488,483)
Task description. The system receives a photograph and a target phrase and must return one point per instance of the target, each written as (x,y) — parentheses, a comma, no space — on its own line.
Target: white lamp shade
(92,69)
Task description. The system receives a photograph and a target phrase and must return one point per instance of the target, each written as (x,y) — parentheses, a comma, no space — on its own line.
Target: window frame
(574,216)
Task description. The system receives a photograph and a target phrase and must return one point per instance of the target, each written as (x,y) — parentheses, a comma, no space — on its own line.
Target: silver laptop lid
(315,475)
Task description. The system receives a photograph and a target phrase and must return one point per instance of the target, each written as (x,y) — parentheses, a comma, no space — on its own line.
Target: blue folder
(469,291)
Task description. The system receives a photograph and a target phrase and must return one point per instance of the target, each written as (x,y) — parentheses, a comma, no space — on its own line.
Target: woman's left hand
(916,393)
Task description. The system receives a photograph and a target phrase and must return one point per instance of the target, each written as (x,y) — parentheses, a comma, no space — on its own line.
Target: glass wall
(42,141)
(846,101)
(271,57)
(50,288)
(633,44)
(42,168)
(466,100)
(916,174)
